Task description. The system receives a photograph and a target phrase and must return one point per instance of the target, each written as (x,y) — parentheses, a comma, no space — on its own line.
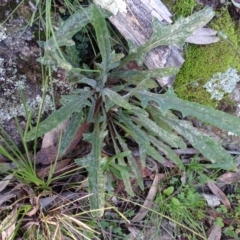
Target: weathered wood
(136,25)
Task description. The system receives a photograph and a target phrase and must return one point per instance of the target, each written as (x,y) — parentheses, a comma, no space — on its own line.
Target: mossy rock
(202,62)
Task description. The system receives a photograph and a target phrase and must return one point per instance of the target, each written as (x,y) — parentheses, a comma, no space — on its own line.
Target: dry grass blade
(61,166)
(229,177)
(6,197)
(148,201)
(7,226)
(5,182)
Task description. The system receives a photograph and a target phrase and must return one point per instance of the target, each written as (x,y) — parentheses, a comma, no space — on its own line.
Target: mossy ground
(204,61)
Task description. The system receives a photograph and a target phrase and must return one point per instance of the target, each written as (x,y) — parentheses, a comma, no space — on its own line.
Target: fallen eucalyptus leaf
(203,36)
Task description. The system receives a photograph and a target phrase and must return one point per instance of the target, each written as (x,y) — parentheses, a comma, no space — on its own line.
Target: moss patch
(204,61)
(182,8)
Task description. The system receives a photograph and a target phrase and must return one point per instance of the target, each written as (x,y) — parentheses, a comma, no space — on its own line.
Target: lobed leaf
(169,100)
(125,175)
(170,138)
(95,169)
(116,98)
(137,76)
(175,34)
(210,149)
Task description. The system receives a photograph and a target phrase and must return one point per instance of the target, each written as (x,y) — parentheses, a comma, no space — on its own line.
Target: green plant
(179,203)
(111,225)
(121,108)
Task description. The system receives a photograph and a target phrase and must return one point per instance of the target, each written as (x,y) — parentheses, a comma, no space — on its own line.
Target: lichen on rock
(21,74)
(113,6)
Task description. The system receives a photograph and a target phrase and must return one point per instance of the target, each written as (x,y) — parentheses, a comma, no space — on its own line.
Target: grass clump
(202,62)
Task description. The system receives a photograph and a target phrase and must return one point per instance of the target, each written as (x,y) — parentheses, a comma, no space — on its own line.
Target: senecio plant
(121,107)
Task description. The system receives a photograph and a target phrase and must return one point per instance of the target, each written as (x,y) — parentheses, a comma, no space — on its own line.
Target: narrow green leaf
(138,111)
(76,121)
(169,138)
(137,76)
(154,112)
(175,34)
(169,100)
(95,169)
(151,151)
(103,38)
(167,151)
(58,117)
(91,110)
(116,98)
(125,176)
(132,162)
(139,136)
(88,81)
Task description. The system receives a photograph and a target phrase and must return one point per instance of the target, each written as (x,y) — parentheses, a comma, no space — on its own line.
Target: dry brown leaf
(5,182)
(146,172)
(47,155)
(216,233)
(7,226)
(6,197)
(134,233)
(60,167)
(211,199)
(148,201)
(229,177)
(220,194)
(203,36)
(51,138)
(35,206)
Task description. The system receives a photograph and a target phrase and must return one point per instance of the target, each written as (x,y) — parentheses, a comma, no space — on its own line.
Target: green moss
(204,61)
(182,8)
